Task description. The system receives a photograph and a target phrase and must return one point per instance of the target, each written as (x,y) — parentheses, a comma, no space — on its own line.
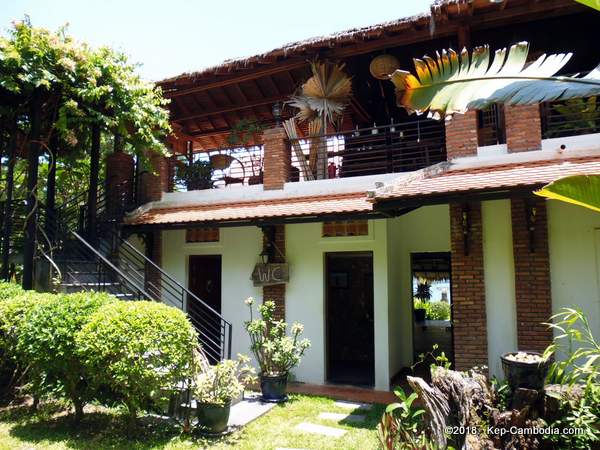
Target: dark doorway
(349,318)
(205,283)
(432,306)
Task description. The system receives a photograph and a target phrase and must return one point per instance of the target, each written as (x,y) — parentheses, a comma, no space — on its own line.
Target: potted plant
(419,310)
(213,389)
(275,351)
(195,175)
(525,369)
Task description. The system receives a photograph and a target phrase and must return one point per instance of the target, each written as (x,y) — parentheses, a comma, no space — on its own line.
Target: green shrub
(9,290)
(12,313)
(140,349)
(47,341)
(438,310)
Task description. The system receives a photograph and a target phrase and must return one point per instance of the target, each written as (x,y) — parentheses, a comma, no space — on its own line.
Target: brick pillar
(153,182)
(523,128)
(461,135)
(532,272)
(277,292)
(278,158)
(468,290)
(119,183)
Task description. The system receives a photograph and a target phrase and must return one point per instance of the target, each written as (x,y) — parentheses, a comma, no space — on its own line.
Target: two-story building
(409,207)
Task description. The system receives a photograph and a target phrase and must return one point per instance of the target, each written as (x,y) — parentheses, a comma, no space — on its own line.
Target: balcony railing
(570,117)
(490,126)
(369,151)
(240,166)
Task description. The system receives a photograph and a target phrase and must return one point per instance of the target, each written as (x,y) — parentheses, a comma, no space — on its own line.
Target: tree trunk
(50,224)
(32,181)
(7,225)
(93,185)
(78,404)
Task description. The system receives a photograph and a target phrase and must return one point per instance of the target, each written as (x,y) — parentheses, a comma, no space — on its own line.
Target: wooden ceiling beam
(231,108)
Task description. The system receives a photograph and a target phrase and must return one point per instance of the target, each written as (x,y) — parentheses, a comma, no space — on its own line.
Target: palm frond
(582,190)
(453,83)
(325,94)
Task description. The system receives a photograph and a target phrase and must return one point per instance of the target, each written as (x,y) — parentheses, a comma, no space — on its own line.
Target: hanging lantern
(220,161)
(383,66)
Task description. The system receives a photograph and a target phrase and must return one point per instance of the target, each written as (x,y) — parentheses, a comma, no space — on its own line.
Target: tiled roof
(245,211)
(446,181)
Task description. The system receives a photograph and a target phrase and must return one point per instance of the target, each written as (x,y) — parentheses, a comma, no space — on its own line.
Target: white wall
(499,274)
(305,292)
(426,229)
(239,249)
(574,243)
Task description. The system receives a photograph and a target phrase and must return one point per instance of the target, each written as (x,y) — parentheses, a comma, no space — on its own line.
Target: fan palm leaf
(325,94)
(582,190)
(453,83)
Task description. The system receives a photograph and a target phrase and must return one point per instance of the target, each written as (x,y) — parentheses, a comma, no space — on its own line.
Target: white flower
(249,301)
(297,328)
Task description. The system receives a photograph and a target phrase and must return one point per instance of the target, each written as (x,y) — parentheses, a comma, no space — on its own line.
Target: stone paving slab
(247,410)
(350,405)
(320,429)
(354,418)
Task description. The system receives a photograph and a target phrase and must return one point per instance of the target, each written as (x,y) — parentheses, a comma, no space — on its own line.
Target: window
(346,228)
(202,235)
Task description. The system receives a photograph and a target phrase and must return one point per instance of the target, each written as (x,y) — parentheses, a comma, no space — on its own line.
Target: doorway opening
(349,318)
(432,306)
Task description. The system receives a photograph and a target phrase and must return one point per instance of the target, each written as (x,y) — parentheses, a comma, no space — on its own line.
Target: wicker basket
(220,162)
(383,66)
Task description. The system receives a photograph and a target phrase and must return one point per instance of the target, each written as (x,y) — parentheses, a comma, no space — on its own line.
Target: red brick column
(155,181)
(119,182)
(461,135)
(532,273)
(277,292)
(523,128)
(278,158)
(468,289)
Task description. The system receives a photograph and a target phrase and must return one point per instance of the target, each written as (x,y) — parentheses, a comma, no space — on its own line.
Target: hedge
(47,340)
(138,348)
(9,290)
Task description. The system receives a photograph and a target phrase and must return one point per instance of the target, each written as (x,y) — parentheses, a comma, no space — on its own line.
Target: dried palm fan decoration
(292,132)
(323,97)
(451,83)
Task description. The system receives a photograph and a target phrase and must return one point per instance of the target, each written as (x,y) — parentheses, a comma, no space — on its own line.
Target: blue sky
(172,36)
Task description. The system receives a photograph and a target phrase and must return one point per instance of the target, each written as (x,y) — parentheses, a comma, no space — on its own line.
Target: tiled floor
(349,393)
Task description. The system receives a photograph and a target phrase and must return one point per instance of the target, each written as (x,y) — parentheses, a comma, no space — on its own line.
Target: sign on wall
(269,274)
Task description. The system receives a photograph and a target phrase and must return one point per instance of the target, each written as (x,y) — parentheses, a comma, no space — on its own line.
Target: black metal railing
(392,148)
(491,128)
(228,167)
(114,265)
(570,117)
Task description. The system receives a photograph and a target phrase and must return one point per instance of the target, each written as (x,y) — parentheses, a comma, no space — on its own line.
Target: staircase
(104,261)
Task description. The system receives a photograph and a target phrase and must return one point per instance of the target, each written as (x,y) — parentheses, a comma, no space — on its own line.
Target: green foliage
(9,290)
(502,393)
(220,383)
(402,425)
(581,114)
(579,353)
(12,313)
(275,352)
(423,291)
(47,340)
(139,349)
(433,310)
(197,175)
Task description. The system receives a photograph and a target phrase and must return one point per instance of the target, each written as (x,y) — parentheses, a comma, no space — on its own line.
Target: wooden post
(10,183)
(32,181)
(93,185)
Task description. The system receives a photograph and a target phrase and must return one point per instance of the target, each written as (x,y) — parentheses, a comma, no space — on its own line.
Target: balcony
(369,151)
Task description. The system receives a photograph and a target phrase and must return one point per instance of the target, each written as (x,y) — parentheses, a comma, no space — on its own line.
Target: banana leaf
(582,190)
(453,83)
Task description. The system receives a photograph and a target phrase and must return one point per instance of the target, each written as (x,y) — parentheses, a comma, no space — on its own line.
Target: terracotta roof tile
(489,178)
(295,207)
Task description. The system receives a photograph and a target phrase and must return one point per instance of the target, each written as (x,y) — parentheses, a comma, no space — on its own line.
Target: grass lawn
(51,429)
